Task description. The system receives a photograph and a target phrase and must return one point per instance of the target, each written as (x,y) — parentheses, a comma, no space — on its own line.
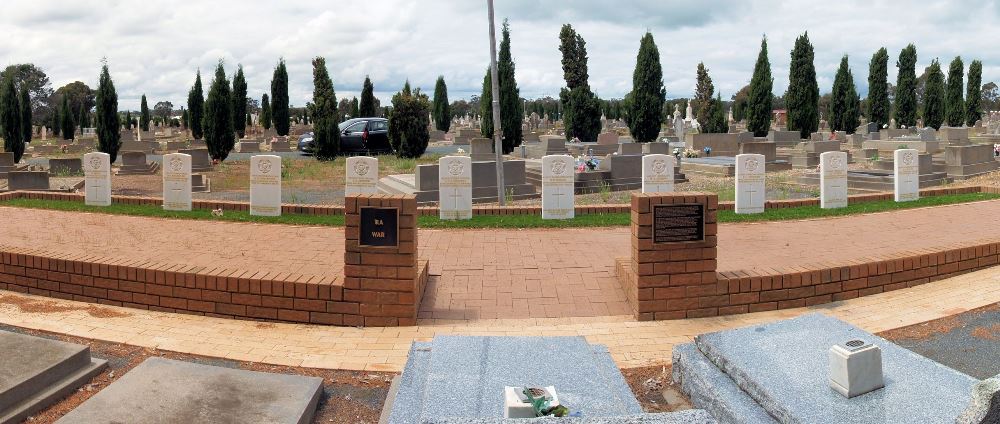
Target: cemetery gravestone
(455,187)
(750,183)
(97,178)
(557,187)
(362,175)
(177,182)
(265,185)
(833,180)
(658,173)
(906,172)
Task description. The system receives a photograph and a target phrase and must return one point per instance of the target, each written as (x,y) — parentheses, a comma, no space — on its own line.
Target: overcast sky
(155,46)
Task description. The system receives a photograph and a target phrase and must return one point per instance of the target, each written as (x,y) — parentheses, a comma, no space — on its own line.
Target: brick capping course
(306,209)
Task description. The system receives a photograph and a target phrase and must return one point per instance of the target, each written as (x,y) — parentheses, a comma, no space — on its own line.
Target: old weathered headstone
(265,185)
(906,172)
(455,187)
(177,182)
(750,183)
(362,175)
(833,180)
(658,173)
(558,187)
(97,178)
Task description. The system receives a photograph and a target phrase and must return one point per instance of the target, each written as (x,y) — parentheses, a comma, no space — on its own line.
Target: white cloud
(155,46)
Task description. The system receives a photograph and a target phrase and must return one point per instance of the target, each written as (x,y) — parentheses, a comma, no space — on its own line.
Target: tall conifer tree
(974,94)
(240,103)
(367,107)
(279,99)
(648,94)
(758,109)
(196,108)
(108,135)
(803,91)
(144,117)
(906,87)
(326,136)
(441,107)
(218,120)
(934,93)
(878,88)
(954,105)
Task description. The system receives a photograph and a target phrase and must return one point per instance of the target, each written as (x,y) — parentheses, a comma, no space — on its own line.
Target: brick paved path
(485,274)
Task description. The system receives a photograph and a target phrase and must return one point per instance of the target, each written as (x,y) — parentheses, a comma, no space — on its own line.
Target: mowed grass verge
(505,221)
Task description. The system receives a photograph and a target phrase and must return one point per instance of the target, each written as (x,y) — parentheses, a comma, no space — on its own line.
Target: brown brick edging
(219,292)
(676,281)
(304,209)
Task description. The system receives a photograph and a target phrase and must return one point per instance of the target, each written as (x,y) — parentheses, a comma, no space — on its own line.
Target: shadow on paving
(968,342)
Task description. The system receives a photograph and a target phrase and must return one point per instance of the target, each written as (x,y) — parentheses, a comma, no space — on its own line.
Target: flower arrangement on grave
(542,406)
(708,151)
(691,154)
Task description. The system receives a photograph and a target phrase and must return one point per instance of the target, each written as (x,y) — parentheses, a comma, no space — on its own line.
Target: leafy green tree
(934,97)
(906,87)
(196,108)
(108,133)
(408,121)
(844,101)
(81,97)
(648,94)
(740,100)
(954,105)
(265,112)
(803,91)
(239,102)
(758,110)
(442,110)
(39,88)
(581,108)
(703,95)
(25,104)
(367,109)
(716,121)
(326,135)
(68,127)
(279,99)
(10,119)
(878,88)
(144,116)
(973,96)
(218,120)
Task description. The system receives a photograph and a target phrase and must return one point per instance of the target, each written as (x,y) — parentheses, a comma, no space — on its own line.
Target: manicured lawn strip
(500,221)
(158,212)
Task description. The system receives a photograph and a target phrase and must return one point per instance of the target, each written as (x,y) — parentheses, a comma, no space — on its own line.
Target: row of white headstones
(455,182)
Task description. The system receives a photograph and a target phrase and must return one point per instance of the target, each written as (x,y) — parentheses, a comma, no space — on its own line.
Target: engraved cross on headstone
(455,196)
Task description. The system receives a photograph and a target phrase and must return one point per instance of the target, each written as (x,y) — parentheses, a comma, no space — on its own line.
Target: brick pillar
(673,279)
(386,281)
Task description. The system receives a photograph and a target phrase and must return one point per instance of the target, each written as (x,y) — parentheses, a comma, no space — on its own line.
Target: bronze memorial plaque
(379,227)
(678,223)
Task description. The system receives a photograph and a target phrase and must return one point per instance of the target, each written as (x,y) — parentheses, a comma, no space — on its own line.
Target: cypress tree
(279,99)
(218,120)
(143,117)
(68,129)
(954,104)
(25,104)
(973,97)
(108,135)
(355,109)
(934,97)
(581,108)
(715,121)
(56,121)
(878,88)
(803,91)
(758,109)
(196,107)
(703,95)
(906,87)
(511,107)
(442,109)
(265,112)
(408,123)
(367,107)
(128,119)
(648,94)
(844,103)
(10,119)
(185,119)
(326,136)
(486,106)
(240,102)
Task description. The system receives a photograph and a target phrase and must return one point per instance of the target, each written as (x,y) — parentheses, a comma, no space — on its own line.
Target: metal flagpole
(497,134)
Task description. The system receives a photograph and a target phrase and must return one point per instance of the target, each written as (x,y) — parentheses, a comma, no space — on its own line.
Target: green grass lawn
(508,221)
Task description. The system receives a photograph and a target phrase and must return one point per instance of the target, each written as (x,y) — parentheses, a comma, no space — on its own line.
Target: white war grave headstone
(833,180)
(265,185)
(658,173)
(750,183)
(906,170)
(362,175)
(558,177)
(97,178)
(455,187)
(177,182)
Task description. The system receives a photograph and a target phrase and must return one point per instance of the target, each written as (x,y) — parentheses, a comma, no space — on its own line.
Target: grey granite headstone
(985,405)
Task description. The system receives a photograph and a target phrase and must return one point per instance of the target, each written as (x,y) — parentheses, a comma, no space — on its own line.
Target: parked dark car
(365,136)
(305,143)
